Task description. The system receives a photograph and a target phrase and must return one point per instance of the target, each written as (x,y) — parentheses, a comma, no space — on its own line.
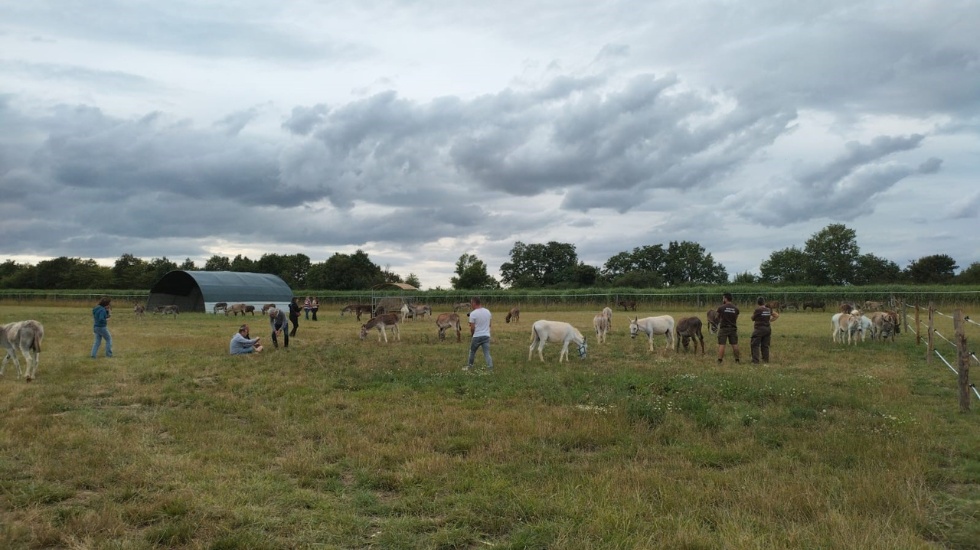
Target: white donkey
(27,336)
(601,324)
(664,324)
(543,332)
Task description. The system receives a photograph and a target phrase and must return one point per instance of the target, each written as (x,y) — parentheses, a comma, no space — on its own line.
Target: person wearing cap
(279,324)
(241,344)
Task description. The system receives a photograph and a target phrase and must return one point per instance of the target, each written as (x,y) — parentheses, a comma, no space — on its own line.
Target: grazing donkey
(380,322)
(27,336)
(446,321)
(689,329)
(168,310)
(713,319)
(139,310)
(356,309)
(543,332)
(513,315)
(628,305)
(220,306)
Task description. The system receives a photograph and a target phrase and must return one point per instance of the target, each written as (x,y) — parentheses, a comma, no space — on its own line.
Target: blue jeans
(100,333)
(475,344)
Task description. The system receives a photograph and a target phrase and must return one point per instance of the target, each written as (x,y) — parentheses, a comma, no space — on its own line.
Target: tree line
(831,257)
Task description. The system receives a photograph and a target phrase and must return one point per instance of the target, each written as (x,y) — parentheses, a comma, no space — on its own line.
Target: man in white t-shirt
(480,331)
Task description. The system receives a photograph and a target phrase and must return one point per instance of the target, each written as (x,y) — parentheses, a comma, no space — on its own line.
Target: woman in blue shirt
(100,316)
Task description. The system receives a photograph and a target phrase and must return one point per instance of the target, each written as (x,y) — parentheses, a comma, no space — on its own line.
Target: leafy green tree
(688,263)
(471,274)
(938,268)
(652,258)
(157,268)
(292,269)
(188,265)
(745,278)
(129,272)
(14,275)
(786,266)
(833,254)
(345,272)
(639,279)
(586,275)
(539,265)
(413,280)
(64,273)
(872,270)
(242,264)
(970,275)
(217,263)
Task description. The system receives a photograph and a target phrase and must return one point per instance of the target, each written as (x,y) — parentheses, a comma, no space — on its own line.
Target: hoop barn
(198,291)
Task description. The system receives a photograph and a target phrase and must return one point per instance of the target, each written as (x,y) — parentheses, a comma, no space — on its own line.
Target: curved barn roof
(192,290)
(402,286)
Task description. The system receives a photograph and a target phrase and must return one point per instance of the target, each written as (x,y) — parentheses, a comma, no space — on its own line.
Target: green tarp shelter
(198,291)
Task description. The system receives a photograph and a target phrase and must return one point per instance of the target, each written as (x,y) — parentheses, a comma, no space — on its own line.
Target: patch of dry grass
(343,443)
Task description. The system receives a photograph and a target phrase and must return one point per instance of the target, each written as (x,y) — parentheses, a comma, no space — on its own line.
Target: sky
(422,130)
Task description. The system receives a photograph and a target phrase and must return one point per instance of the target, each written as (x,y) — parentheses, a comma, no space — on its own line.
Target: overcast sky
(418,131)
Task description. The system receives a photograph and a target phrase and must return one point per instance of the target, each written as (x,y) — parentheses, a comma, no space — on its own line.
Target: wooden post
(918,327)
(963,358)
(930,346)
(905,318)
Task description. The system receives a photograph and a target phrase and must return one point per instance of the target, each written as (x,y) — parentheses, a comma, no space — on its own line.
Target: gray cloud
(844,188)
(325,127)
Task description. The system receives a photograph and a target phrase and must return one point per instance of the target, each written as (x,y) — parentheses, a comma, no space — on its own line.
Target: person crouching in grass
(241,344)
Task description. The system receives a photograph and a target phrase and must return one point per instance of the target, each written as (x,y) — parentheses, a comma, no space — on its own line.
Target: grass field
(343,443)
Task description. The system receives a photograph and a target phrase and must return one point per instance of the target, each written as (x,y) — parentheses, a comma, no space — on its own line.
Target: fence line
(939,354)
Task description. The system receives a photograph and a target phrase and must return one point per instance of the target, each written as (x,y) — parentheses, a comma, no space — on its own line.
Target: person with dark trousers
(762,332)
(279,325)
(727,327)
(314,307)
(294,315)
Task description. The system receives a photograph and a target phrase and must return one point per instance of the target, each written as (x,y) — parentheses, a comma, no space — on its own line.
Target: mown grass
(342,443)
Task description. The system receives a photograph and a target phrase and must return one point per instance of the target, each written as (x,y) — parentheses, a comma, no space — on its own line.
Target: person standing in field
(294,315)
(307,305)
(480,333)
(241,344)
(727,327)
(314,307)
(279,325)
(762,332)
(100,326)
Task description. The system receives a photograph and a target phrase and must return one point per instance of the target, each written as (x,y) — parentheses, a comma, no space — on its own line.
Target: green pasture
(343,443)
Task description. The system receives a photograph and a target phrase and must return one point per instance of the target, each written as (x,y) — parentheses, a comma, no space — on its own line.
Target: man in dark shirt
(762,334)
(727,329)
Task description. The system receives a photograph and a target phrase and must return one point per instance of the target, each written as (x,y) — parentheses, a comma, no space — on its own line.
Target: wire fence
(935,332)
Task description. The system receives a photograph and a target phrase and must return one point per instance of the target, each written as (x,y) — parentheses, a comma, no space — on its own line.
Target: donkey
(664,324)
(601,324)
(689,329)
(220,306)
(627,305)
(513,315)
(27,336)
(139,310)
(446,321)
(380,322)
(543,332)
